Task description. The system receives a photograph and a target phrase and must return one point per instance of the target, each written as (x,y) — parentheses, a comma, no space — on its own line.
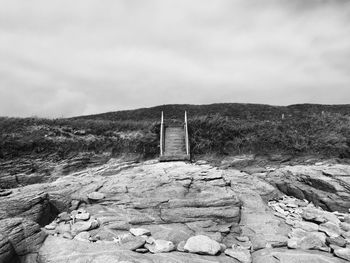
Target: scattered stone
(202,245)
(82,216)
(51,226)
(258,242)
(83,236)
(242,238)
(293,243)
(80,227)
(346,235)
(313,240)
(331,229)
(222,247)
(130,242)
(307,226)
(345,226)
(242,255)
(150,240)
(64,216)
(67,235)
(140,231)
(141,250)
(160,246)
(338,241)
(74,204)
(277,240)
(63,227)
(347,219)
(95,196)
(343,253)
(181,246)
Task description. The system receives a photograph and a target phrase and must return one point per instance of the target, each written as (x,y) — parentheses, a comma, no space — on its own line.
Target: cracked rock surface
(146,212)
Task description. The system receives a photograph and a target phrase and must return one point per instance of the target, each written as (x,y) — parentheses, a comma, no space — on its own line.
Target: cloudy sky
(65,58)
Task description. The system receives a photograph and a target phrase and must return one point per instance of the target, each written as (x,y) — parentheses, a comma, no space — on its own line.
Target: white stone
(202,244)
(96,196)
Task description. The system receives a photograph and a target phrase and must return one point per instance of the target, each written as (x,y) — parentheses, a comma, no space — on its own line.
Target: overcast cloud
(65,58)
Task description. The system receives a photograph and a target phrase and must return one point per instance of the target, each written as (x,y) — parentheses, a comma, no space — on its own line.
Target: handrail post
(186,135)
(161,134)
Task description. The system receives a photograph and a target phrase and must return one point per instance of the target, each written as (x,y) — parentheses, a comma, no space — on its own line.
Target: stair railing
(186,135)
(161,134)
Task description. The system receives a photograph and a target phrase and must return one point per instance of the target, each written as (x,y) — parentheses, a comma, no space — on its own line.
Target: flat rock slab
(294,256)
(59,250)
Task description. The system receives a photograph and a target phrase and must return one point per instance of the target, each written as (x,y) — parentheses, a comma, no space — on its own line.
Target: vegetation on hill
(218,128)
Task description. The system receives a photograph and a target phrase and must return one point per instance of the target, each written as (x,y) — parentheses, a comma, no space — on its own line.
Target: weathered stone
(139,231)
(292,255)
(307,226)
(80,227)
(132,242)
(83,236)
(202,245)
(242,255)
(331,229)
(343,253)
(258,242)
(67,235)
(19,237)
(160,246)
(181,246)
(345,226)
(82,216)
(64,216)
(96,196)
(338,241)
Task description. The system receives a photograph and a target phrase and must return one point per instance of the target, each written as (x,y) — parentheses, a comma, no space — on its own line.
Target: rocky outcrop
(19,237)
(171,212)
(327,186)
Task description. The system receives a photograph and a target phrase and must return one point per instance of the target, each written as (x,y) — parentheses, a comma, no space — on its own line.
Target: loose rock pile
(314,228)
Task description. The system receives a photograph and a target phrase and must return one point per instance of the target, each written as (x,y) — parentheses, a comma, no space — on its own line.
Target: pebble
(95,196)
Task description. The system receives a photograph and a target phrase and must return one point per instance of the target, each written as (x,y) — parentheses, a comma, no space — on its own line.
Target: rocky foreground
(180,212)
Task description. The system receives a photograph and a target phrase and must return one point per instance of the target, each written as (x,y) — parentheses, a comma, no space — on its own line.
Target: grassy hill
(232,110)
(222,129)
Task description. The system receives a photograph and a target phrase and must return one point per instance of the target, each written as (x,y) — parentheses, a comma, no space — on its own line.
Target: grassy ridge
(217,128)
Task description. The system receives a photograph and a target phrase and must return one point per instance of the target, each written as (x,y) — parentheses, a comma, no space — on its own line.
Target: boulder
(202,245)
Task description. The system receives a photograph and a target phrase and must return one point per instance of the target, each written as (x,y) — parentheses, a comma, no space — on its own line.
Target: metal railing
(186,135)
(161,135)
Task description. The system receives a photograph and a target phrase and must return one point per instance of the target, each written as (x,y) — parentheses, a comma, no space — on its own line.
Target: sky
(63,58)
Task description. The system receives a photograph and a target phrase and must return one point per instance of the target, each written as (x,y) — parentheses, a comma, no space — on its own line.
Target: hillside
(216,129)
(233,110)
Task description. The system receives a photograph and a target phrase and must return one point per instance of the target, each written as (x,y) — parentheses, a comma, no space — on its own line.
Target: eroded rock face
(326,186)
(171,203)
(289,256)
(19,237)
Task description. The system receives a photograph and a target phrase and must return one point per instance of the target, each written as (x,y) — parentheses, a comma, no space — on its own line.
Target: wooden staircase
(174,143)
